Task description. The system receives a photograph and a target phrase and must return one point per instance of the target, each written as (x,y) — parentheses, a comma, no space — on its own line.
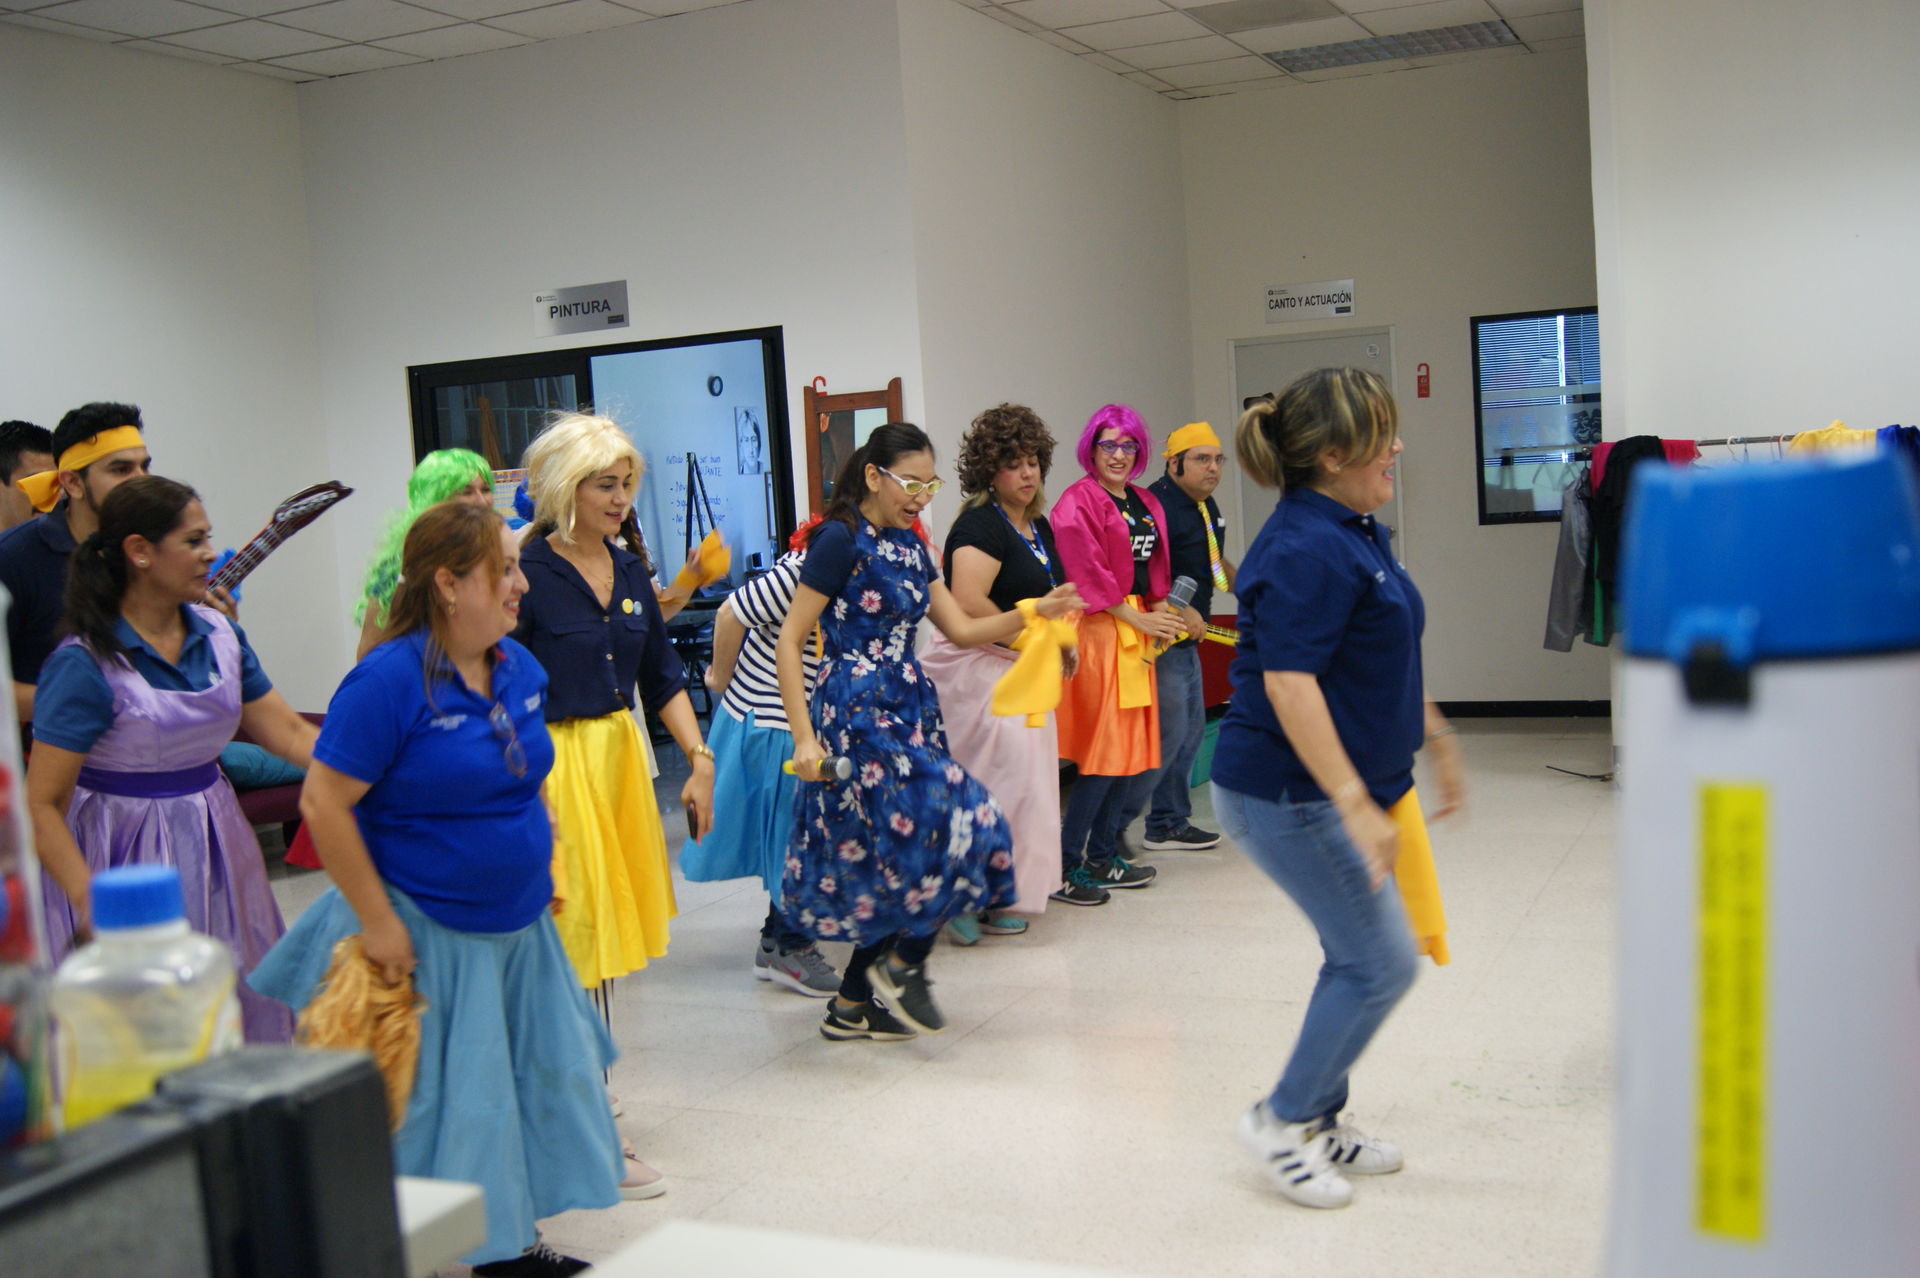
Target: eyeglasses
(516,754)
(1118,447)
(913,487)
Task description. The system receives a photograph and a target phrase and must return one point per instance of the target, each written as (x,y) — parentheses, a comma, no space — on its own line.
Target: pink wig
(1123,419)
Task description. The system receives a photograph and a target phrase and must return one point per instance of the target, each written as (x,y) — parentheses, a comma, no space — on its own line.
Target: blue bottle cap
(137,896)
(1782,561)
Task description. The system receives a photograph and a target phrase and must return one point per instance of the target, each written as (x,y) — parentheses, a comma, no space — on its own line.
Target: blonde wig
(571,450)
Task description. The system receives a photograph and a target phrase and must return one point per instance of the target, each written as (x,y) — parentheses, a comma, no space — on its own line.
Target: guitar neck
(251,556)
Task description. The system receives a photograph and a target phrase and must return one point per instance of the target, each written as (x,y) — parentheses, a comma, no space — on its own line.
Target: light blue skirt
(752,806)
(509,1094)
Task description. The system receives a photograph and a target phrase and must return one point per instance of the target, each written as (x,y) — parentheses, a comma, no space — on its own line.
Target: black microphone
(1179,595)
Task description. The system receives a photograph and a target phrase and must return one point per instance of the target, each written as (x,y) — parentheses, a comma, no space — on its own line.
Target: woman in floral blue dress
(886,857)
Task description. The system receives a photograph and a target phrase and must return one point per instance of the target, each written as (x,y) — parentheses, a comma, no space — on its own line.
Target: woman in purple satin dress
(129,717)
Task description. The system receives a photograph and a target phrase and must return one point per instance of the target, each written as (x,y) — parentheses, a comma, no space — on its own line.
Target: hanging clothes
(1831,438)
(1902,441)
(1570,600)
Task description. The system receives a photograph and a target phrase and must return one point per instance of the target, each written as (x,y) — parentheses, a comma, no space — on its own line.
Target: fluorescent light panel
(1410,44)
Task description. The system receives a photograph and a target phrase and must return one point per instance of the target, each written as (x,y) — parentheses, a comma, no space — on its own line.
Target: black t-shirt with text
(1022,573)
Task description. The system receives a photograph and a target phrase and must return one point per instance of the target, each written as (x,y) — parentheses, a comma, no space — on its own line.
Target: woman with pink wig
(1113,545)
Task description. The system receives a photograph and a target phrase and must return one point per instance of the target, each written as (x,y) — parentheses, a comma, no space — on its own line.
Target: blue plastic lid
(1767,561)
(137,896)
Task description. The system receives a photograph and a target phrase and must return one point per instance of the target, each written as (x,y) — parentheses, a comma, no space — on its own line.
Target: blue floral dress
(910,840)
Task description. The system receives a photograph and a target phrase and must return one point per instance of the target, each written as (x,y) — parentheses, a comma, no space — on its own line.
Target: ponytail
(1254,448)
(887,445)
(145,506)
(1348,411)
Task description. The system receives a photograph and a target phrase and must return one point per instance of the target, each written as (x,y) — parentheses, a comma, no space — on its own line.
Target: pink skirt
(1020,766)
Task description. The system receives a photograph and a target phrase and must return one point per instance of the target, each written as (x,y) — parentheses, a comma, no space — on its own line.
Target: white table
(440,1220)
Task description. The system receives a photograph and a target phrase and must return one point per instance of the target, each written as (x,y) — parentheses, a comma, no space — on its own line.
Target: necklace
(1033,543)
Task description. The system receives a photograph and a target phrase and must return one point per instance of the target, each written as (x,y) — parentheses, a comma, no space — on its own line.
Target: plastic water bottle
(147,997)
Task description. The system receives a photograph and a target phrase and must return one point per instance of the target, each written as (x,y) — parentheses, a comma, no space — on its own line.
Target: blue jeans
(1098,809)
(1370,957)
(1183,723)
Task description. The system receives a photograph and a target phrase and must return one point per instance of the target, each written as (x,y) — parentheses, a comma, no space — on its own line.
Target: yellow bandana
(43,489)
(1192,435)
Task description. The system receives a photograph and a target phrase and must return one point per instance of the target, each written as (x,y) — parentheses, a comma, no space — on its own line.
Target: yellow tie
(1213,550)
(1032,686)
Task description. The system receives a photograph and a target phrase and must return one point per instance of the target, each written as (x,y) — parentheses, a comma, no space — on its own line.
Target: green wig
(440,475)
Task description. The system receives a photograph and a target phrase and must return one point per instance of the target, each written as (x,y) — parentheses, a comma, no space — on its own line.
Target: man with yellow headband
(97,447)
(1195,532)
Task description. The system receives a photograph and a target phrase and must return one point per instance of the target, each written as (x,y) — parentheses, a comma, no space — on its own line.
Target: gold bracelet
(701,751)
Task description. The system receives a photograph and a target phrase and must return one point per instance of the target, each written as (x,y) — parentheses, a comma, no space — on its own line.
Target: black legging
(912,950)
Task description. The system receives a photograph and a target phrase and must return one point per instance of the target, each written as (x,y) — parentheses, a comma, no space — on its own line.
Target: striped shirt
(761,605)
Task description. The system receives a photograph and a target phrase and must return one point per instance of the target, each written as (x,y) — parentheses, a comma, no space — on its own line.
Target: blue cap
(1781,560)
(137,896)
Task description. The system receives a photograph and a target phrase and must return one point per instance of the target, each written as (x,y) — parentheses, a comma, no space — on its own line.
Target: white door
(1266,364)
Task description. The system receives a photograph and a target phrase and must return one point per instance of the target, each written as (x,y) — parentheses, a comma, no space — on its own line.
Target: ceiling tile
(256,8)
(453,42)
(575,17)
(252,39)
(1532,8)
(174,51)
(1558,42)
(1106,63)
(473,10)
(1226,72)
(1013,20)
(1153,82)
(1471,55)
(345,60)
(1302,35)
(1232,16)
(1156,29)
(1059,41)
(1179,52)
(667,8)
(363,19)
(1427,17)
(278,73)
(1078,13)
(132,17)
(1549,26)
(39,23)
(26,6)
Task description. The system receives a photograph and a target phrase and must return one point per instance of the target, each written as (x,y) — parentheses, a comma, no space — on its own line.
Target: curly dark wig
(998,438)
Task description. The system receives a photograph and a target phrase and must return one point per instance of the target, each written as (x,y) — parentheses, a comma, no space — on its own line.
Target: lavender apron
(151,793)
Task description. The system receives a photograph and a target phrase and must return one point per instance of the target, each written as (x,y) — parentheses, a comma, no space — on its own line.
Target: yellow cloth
(710,563)
(1192,435)
(1831,438)
(1032,685)
(43,489)
(1419,885)
(1131,656)
(609,848)
(356,1010)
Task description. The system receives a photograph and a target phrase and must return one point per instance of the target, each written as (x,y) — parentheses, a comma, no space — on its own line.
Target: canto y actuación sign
(1328,299)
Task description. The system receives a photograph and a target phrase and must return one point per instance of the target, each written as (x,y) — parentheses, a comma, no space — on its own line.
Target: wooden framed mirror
(835,425)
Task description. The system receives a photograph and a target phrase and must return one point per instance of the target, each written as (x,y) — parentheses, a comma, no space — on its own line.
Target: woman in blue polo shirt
(132,711)
(424,802)
(1327,713)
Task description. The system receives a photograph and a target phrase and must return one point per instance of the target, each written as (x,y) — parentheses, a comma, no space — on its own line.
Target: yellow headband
(43,489)
(1192,435)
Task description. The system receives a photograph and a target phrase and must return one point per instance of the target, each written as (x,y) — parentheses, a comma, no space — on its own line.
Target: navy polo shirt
(1187,522)
(593,655)
(445,819)
(33,568)
(73,705)
(1321,593)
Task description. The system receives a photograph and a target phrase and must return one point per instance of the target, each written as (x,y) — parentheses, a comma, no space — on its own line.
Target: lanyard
(1038,548)
(1213,549)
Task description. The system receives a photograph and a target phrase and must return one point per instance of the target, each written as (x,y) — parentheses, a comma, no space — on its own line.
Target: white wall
(739,167)
(1049,236)
(1756,194)
(1445,193)
(155,254)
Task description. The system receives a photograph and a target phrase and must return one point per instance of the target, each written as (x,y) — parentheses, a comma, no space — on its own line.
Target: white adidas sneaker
(1354,1153)
(1296,1158)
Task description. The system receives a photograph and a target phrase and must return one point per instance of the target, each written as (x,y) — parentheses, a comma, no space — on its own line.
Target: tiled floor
(1080,1108)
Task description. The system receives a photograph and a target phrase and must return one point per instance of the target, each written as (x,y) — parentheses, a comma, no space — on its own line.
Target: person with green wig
(446,474)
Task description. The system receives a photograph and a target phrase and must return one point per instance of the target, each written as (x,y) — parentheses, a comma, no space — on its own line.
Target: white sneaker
(1295,1158)
(1355,1153)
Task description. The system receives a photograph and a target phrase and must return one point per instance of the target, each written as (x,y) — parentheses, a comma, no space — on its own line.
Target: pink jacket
(1096,550)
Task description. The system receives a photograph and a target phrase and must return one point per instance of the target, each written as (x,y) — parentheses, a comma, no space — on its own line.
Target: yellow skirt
(610,851)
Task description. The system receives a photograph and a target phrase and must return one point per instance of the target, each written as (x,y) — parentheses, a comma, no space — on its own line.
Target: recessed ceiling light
(1251,15)
(1408,44)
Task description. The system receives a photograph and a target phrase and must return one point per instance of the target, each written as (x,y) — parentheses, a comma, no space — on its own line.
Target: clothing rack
(1540,455)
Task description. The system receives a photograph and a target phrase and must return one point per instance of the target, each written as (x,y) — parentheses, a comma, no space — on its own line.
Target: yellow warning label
(1730,1143)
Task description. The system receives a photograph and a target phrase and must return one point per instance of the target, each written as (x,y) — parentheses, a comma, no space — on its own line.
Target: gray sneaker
(804,971)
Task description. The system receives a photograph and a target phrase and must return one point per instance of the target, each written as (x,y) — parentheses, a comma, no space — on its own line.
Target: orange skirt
(1095,733)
